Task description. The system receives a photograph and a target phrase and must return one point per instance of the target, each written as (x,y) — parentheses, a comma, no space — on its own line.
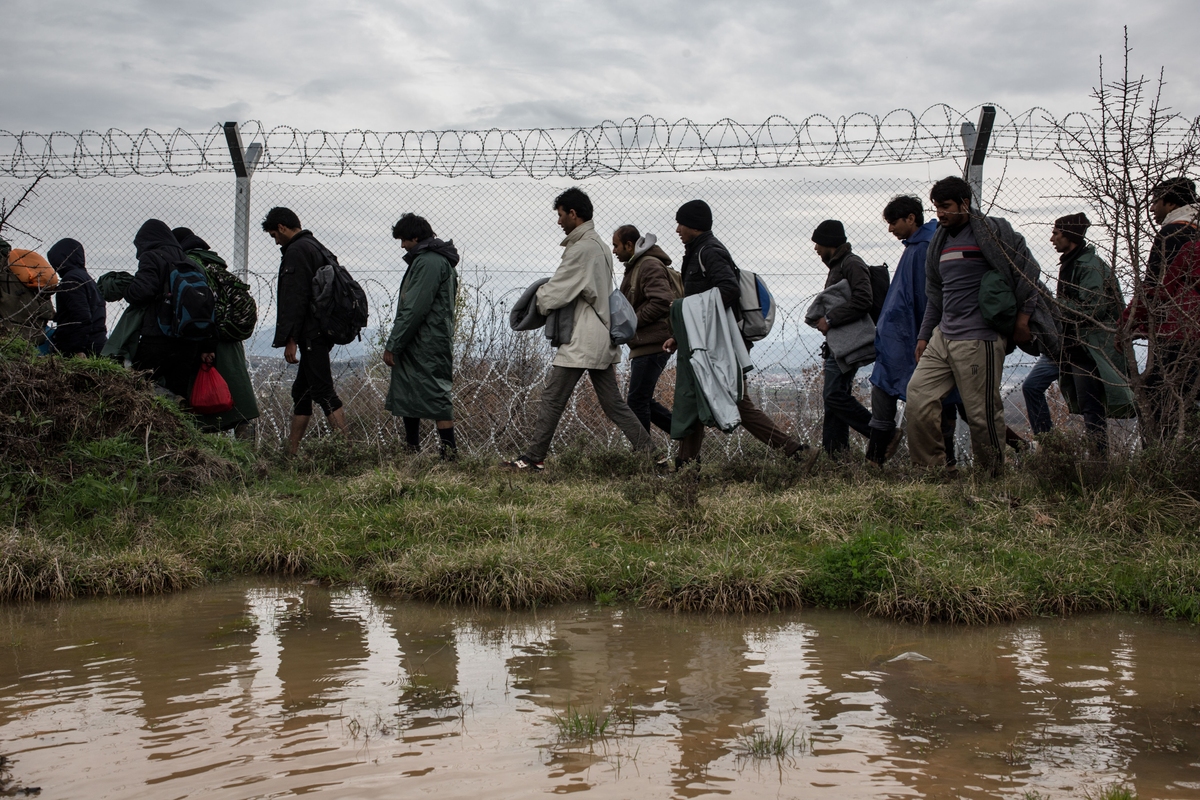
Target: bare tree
(1134,143)
(6,211)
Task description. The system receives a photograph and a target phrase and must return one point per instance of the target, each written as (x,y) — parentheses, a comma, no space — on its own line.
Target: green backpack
(236,312)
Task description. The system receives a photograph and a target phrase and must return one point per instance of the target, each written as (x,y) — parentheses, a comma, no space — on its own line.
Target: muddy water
(268,691)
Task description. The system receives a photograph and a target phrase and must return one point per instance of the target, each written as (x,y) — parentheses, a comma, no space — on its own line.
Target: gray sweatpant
(560,384)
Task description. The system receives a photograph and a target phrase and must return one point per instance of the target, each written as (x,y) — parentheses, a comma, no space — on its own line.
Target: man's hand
(388,358)
(823,325)
(670,346)
(921,345)
(1021,333)
(289,352)
(208,358)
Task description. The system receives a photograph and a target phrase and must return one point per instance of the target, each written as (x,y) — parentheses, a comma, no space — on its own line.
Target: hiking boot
(800,453)
(1015,440)
(524,464)
(893,444)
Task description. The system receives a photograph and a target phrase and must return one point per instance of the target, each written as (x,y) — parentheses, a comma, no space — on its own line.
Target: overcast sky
(399,64)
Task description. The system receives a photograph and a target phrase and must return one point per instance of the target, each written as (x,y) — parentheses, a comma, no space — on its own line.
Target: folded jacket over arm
(852,344)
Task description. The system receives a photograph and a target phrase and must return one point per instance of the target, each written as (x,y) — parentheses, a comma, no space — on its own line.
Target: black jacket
(157,252)
(1169,240)
(79,314)
(301,257)
(718,273)
(845,265)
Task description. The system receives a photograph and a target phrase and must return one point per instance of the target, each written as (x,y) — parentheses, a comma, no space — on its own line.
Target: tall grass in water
(582,725)
(772,741)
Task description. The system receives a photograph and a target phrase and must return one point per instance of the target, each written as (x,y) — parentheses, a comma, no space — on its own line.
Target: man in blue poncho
(896,331)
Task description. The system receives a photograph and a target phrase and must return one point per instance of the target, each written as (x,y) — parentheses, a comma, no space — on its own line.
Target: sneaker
(524,464)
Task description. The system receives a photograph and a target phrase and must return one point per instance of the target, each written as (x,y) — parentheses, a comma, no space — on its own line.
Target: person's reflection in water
(317,650)
(429,690)
(696,668)
(183,656)
(718,694)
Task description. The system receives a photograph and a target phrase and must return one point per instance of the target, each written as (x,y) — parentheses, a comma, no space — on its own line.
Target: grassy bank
(904,549)
(159,508)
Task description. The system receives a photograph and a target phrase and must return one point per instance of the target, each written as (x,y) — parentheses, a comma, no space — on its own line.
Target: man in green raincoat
(420,349)
(1094,378)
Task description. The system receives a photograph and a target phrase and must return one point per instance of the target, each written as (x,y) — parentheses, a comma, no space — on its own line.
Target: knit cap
(1073,226)
(830,233)
(695,214)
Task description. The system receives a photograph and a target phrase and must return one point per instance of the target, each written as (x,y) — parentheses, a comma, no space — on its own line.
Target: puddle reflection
(267,691)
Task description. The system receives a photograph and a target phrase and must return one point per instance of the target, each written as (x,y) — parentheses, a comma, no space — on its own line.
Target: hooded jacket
(1005,251)
(648,288)
(844,265)
(583,281)
(422,337)
(901,315)
(157,253)
(300,258)
(23,311)
(80,314)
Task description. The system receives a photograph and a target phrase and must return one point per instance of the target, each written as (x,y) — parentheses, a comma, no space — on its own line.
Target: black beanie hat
(1179,191)
(830,233)
(695,214)
(1073,226)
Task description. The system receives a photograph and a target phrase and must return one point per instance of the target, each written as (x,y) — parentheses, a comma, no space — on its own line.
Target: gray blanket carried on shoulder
(853,344)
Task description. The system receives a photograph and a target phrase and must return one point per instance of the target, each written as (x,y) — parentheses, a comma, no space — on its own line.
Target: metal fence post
(244,162)
(975,143)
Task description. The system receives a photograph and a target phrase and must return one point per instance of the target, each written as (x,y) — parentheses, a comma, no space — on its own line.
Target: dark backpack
(235,311)
(188,305)
(338,302)
(881,281)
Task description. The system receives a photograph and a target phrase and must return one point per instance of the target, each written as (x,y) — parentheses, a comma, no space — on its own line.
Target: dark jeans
(173,362)
(1081,370)
(1044,373)
(883,418)
(560,384)
(644,372)
(842,410)
(314,381)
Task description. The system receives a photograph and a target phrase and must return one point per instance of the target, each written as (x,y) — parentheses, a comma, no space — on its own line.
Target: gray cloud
(462,63)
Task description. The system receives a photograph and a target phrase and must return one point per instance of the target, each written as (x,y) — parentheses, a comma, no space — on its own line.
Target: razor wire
(641,145)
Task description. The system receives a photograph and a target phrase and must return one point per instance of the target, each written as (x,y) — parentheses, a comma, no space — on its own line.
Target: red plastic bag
(210,392)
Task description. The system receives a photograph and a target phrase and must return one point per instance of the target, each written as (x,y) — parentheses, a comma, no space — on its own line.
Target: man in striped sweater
(955,345)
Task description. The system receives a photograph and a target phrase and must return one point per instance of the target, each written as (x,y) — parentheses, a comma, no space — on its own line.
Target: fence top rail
(632,146)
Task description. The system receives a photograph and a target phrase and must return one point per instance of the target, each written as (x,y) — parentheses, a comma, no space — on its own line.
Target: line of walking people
(966,293)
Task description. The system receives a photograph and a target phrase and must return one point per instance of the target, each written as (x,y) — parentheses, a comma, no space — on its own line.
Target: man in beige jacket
(583,280)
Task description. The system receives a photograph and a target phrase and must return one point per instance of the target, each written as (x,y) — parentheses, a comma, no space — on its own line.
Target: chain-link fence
(507,236)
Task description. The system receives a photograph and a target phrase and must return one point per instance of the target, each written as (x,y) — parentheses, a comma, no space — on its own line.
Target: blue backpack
(188,308)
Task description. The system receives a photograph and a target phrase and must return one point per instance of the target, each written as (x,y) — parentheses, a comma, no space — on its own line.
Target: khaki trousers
(975,367)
